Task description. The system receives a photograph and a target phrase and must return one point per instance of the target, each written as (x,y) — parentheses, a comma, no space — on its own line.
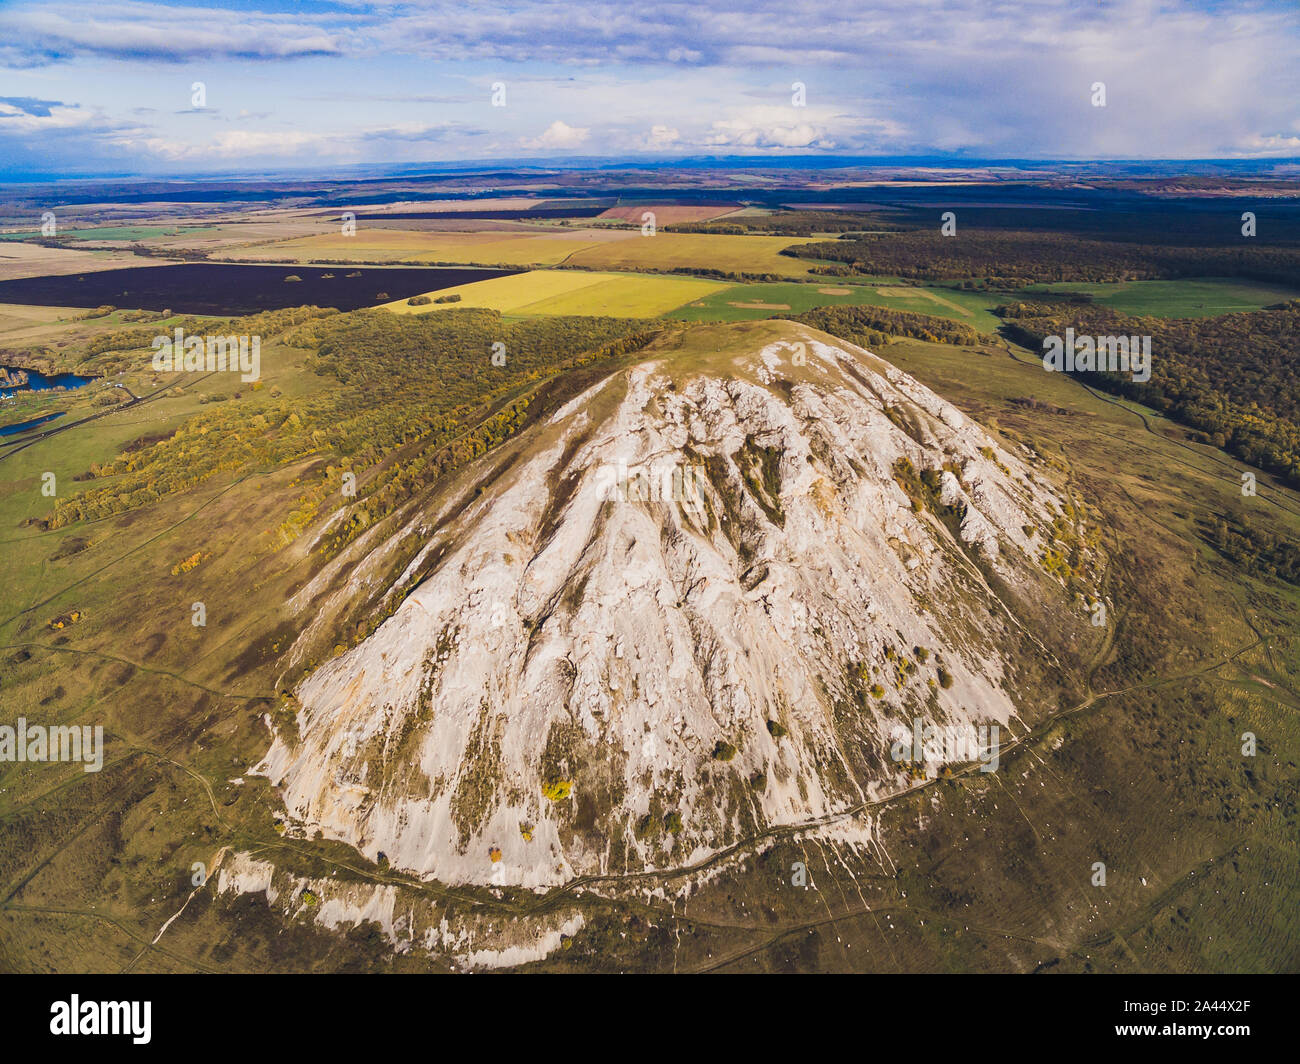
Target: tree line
(1235,377)
(869,326)
(1009,259)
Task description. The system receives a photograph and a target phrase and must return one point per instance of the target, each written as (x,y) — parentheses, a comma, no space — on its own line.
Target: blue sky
(94,86)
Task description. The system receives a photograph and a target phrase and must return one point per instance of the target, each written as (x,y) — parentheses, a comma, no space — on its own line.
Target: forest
(438,389)
(1234,378)
(1012,259)
(1252,549)
(869,326)
(789,223)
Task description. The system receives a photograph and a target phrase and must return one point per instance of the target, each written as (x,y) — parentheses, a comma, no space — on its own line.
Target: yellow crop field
(560,292)
(410,245)
(626,295)
(593,249)
(505,294)
(667,251)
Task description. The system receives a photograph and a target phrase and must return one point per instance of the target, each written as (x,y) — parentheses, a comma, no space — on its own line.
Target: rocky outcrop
(698,605)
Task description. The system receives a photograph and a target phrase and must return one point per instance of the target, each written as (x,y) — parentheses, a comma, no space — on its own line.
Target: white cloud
(232,145)
(558,136)
(57,116)
(42,33)
(660,138)
(747,133)
(1274,144)
(808,128)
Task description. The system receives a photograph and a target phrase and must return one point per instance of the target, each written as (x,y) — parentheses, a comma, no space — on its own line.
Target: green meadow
(746,302)
(136,232)
(1198,297)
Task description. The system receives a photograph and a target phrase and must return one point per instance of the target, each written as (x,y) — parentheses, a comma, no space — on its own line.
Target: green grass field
(1199,297)
(751,301)
(118,232)
(136,232)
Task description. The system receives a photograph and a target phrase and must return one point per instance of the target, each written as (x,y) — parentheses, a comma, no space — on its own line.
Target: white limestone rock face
(687,613)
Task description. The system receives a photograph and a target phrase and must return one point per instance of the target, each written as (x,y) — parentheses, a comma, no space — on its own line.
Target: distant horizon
(380,171)
(172,87)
